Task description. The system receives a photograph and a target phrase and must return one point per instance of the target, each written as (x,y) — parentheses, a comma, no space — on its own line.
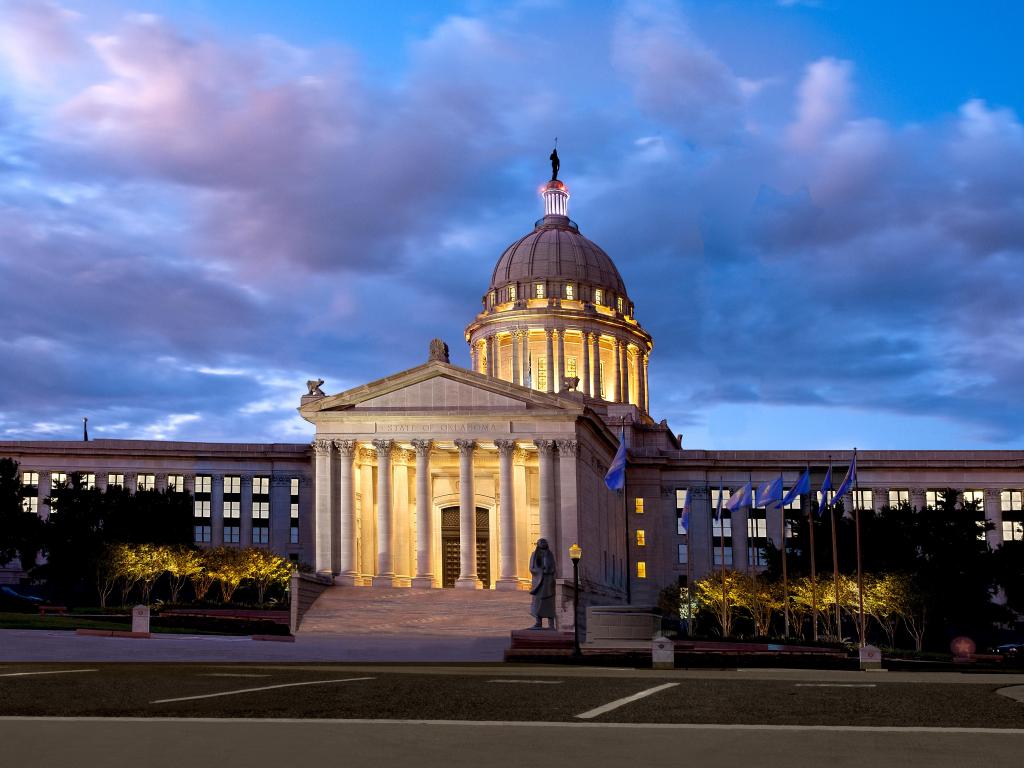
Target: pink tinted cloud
(37,38)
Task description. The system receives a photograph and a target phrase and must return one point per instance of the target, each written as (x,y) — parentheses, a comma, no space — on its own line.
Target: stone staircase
(434,612)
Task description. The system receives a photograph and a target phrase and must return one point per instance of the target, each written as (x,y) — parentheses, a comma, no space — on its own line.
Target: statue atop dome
(555,164)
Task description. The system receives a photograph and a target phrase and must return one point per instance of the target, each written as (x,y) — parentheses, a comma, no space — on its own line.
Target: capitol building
(441,477)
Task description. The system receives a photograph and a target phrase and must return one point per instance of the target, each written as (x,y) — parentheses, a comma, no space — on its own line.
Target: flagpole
(721,539)
(689,569)
(785,575)
(814,573)
(625,520)
(856,525)
(835,563)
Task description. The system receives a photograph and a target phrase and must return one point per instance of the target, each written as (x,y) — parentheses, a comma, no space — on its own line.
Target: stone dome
(556,252)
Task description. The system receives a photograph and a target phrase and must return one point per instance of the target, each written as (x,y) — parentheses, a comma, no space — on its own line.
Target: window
(232,485)
(232,509)
(30,479)
(618,304)
(115,480)
(684,554)
(975,497)
(542,374)
(57,480)
(757,538)
(261,510)
(898,497)
(201,534)
(602,377)
(204,484)
(598,296)
(293,529)
(538,290)
(146,482)
(176,483)
(1012,504)
(863,501)
(638,505)
(641,538)
(932,498)
(201,509)
(796,503)
(570,366)
(681,525)
(721,530)
(30,492)
(494,298)
(511,293)
(641,569)
(570,292)
(88,480)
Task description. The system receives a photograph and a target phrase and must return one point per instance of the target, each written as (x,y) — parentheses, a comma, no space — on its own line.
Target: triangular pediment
(440,386)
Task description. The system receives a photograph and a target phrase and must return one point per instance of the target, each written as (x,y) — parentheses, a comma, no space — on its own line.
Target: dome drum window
(598,296)
(538,291)
(512,293)
(570,291)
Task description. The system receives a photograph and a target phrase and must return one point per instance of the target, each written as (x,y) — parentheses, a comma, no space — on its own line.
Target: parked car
(13,600)
(1010,649)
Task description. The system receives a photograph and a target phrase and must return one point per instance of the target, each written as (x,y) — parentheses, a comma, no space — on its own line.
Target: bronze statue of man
(542,569)
(555,164)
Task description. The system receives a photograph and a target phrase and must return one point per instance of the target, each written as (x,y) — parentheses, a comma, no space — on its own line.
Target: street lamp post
(575,553)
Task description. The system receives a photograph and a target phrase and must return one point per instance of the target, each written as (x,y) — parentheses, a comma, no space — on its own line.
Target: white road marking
(263,688)
(1017,732)
(229,674)
(48,672)
(534,682)
(834,685)
(1015,692)
(592,713)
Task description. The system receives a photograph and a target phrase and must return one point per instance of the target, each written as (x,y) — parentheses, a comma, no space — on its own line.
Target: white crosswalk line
(592,713)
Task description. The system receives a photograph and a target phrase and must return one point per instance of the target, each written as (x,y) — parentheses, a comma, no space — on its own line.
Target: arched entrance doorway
(450,546)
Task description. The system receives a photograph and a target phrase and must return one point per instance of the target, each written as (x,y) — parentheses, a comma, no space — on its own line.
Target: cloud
(37,39)
(824,96)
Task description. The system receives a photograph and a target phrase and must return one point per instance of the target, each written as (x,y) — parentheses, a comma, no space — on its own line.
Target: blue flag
(740,498)
(803,485)
(616,477)
(826,486)
(770,493)
(718,509)
(849,480)
(684,521)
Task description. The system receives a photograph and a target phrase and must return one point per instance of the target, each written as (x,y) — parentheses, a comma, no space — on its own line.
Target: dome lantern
(556,199)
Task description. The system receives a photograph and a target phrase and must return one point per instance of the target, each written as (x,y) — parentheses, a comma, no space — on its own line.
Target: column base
(423,582)
(388,580)
(347,580)
(468,583)
(510,584)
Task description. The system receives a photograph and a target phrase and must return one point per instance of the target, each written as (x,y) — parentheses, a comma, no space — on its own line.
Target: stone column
(739,539)
(550,356)
(918,497)
(523,543)
(489,370)
(280,511)
(559,382)
(467,518)
(525,362)
(585,347)
(994,515)
(597,364)
(385,576)
(641,381)
(424,511)
(624,352)
(245,512)
(546,456)
(368,521)
(474,352)
(879,498)
(322,515)
(506,517)
(402,558)
(773,522)
(617,354)
(217,515)
(346,450)
(568,513)
(517,374)
(647,391)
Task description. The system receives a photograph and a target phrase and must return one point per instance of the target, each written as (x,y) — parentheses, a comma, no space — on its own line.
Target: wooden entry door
(450,546)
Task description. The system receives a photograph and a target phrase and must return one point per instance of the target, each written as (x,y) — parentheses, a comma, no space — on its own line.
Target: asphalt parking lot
(507,693)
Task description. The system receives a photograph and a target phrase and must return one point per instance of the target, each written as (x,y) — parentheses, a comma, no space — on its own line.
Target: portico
(440,476)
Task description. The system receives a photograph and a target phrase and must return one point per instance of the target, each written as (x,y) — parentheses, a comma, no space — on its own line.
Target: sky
(817,207)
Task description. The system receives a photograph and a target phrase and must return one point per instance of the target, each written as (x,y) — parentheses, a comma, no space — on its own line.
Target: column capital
(545,447)
(506,448)
(549,332)
(422,447)
(403,457)
(520,455)
(347,448)
(322,447)
(383,448)
(465,447)
(367,455)
(568,447)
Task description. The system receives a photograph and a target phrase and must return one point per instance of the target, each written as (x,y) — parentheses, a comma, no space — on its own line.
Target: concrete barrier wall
(305,589)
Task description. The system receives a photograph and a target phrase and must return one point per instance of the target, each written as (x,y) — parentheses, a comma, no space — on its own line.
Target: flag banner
(740,498)
(826,486)
(718,508)
(684,524)
(849,480)
(616,477)
(803,485)
(770,493)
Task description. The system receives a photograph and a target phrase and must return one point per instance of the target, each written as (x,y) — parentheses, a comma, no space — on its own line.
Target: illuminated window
(603,378)
(618,304)
(570,366)
(58,479)
(232,510)
(176,483)
(232,485)
(681,527)
(638,505)
(641,569)
(88,480)
(261,510)
(30,479)
(932,498)
(511,293)
(863,501)
(538,290)
(204,484)
(201,508)
(293,530)
(795,503)
(641,539)
(115,480)
(146,482)
(542,374)
(1012,504)
(598,296)
(570,292)
(721,529)
(976,498)
(757,538)
(898,497)
(261,486)
(30,491)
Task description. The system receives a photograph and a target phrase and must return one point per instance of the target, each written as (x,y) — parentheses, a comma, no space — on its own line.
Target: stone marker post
(663,653)
(870,658)
(140,619)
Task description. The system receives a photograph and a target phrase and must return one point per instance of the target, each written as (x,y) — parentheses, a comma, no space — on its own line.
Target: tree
(721,604)
(110,567)
(881,593)
(181,563)
(265,569)
(21,533)
(762,599)
(145,567)
(229,567)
